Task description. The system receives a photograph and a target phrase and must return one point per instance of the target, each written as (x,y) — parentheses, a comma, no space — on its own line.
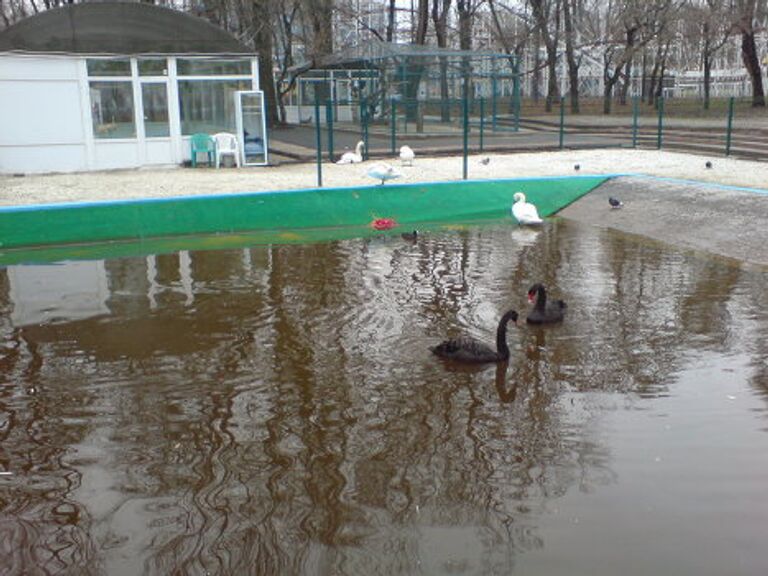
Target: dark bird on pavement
(577,167)
(615,202)
(708,164)
(485,161)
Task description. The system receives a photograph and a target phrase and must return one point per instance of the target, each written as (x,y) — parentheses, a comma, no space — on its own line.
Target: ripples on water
(275,410)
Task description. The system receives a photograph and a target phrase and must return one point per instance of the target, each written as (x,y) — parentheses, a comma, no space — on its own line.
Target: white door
(251,127)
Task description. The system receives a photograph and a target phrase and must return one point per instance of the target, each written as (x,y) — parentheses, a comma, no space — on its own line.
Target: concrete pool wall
(36,226)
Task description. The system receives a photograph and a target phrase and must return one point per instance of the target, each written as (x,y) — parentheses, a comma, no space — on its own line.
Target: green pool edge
(40,233)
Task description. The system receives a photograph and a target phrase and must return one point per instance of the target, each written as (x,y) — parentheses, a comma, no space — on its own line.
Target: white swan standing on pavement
(352,157)
(407,155)
(524,212)
(383,171)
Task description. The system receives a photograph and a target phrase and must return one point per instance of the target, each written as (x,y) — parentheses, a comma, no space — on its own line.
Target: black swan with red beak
(471,351)
(544,311)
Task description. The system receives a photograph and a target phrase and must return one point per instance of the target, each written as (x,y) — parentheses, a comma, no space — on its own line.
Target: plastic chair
(202,144)
(226,145)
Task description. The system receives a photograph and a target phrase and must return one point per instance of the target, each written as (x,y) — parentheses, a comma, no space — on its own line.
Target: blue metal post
(482,121)
(329,126)
(393,125)
(466,128)
(318,144)
(730,126)
(635,115)
(660,134)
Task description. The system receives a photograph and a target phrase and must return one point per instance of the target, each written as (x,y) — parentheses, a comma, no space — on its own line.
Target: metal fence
(480,125)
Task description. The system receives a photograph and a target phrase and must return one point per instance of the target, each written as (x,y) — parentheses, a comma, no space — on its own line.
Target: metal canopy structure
(378,76)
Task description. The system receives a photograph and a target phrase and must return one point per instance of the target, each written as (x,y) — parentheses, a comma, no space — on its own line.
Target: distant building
(121,85)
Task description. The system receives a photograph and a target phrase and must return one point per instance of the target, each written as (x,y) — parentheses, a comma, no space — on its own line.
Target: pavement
(721,220)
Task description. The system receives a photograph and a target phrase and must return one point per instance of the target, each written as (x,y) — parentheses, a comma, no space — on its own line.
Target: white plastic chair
(226,145)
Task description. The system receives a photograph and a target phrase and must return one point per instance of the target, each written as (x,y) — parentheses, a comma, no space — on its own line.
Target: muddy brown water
(276,410)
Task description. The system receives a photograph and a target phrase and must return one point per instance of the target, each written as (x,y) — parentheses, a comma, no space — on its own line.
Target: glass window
(153,67)
(208,105)
(154,99)
(109,67)
(112,109)
(252,106)
(213,67)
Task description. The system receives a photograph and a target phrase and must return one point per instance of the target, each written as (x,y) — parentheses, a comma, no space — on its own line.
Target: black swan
(544,312)
(470,350)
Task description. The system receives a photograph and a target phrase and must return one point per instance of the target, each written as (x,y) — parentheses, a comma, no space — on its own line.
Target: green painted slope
(408,204)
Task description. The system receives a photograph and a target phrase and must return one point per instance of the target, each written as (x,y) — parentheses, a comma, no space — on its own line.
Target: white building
(121,85)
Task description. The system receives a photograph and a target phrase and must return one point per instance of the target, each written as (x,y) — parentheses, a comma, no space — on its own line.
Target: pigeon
(615,202)
(410,236)
(708,164)
(577,167)
(485,161)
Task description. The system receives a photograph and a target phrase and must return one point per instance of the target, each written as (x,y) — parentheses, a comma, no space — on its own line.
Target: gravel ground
(719,220)
(158,183)
(690,207)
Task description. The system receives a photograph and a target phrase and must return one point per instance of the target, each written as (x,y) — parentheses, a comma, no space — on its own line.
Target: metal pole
(393,125)
(482,121)
(318,144)
(329,125)
(562,122)
(466,127)
(730,126)
(635,113)
(364,119)
(516,93)
(494,104)
(659,138)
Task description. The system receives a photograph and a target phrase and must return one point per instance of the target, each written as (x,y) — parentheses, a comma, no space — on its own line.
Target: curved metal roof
(118,28)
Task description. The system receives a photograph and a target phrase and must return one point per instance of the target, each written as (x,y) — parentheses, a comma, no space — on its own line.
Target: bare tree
(318,20)
(440,11)
(746,24)
(546,14)
(570,12)
(629,27)
(285,14)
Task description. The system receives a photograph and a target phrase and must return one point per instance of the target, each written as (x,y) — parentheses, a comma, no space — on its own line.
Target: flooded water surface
(276,410)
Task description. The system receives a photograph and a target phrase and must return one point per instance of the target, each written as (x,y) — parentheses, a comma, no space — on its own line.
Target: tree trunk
(627,67)
(536,80)
(464,8)
(391,21)
(422,22)
(320,15)
(263,44)
(752,64)
(707,62)
(573,64)
(440,21)
(607,97)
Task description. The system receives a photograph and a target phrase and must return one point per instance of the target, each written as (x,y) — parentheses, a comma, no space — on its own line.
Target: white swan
(383,171)
(407,155)
(352,157)
(524,212)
